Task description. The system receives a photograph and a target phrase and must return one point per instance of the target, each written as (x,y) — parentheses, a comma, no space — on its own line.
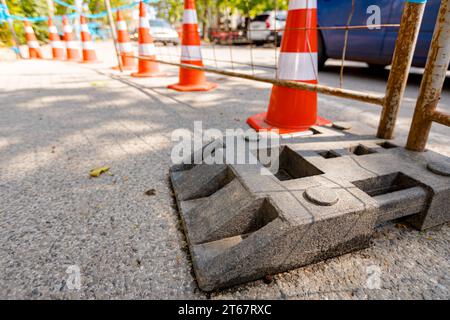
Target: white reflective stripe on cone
(297,66)
(143,23)
(33,44)
(72,45)
(302,4)
(190,16)
(29,29)
(191,53)
(125,47)
(84,28)
(68,29)
(121,25)
(57,45)
(52,29)
(88,45)
(147,49)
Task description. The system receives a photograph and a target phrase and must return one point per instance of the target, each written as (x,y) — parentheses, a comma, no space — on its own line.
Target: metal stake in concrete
(401,64)
(432,82)
(113,33)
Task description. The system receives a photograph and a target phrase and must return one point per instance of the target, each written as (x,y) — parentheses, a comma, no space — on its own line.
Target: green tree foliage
(172,10)
(208,11)
(36,8)
(26,8)
(252,7)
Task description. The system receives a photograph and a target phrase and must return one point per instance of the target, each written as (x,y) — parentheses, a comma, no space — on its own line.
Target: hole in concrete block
(291,165)
(265,215)
(387,145)
(203,181)
(329,154)
(361,150)
(386,184)
(244,223)
(220,182)
(294,166)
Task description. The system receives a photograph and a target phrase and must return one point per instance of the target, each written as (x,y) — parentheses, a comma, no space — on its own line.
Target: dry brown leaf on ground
(98,84)
(401,226)
(94,173)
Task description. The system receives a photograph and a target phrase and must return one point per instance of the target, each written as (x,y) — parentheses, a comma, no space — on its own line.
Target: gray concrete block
(438,211)
(326,200)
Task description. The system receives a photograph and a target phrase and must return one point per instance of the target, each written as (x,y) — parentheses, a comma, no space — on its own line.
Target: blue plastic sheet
(4,16)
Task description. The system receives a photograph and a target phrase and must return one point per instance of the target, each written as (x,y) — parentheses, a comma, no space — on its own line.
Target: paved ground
(59,120)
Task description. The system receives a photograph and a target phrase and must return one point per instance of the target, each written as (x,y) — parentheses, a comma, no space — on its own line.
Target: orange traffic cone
(147,68)
(71,44)
(33,45)
(293,110)
(55,41)
(190,79)
(89,55)
(125,47)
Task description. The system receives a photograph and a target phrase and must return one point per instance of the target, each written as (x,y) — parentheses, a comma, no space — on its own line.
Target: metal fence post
(114,33)
(432,82)
(401,64)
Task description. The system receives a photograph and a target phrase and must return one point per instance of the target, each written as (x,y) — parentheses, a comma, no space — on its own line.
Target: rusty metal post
(432,83)
(371,98)
(401,64)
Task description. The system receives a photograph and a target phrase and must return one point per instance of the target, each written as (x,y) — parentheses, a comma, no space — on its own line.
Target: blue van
(376,47)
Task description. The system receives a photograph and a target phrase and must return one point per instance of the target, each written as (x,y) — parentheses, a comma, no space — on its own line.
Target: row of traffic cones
(147,67)
(71,50)
(189,79)
(290,110)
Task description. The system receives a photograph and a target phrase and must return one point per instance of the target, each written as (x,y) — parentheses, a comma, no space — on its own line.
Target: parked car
(267,27)
(163,32)
(224,37)
(376,47)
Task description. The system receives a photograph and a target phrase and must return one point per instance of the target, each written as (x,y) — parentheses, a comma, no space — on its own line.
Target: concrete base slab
(207,86)
(331,191)
(259,123)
